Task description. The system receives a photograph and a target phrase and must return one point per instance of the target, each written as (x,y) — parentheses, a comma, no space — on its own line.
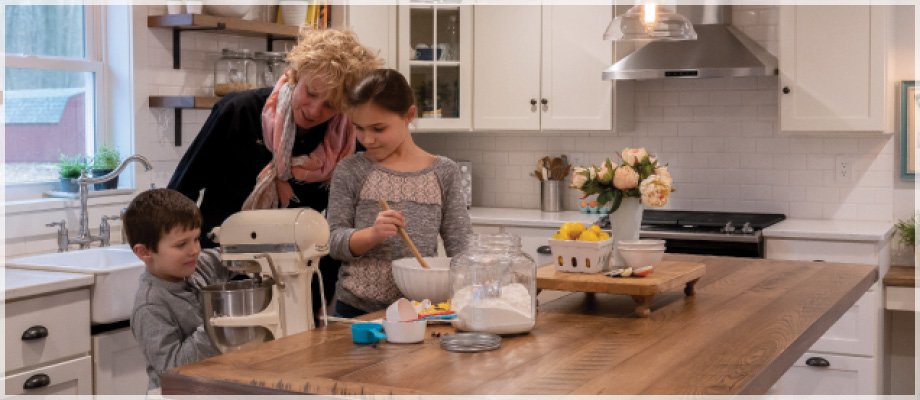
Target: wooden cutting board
(667,276)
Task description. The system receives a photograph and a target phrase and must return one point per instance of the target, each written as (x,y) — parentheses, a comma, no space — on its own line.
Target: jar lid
(268,55)
(471,342)
(231,53)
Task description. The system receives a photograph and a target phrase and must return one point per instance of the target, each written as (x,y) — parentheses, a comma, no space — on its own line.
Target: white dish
(636,258)
(418,283)
(404,332)
(226,10)
(642,243)
(116,271)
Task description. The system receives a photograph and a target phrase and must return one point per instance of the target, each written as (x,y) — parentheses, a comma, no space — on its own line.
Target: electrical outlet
(577,159)
(844,169)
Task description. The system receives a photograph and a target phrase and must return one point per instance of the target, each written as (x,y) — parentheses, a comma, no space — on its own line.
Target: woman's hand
(384,226)
(386,223)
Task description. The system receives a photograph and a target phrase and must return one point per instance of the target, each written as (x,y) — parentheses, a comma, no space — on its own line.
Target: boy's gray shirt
(433,203)
(167,321)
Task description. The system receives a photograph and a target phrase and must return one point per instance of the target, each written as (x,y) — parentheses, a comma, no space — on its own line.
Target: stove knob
(747,228)
(728,228)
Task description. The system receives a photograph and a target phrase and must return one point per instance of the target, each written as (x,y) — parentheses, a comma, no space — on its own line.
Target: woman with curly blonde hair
(277,147)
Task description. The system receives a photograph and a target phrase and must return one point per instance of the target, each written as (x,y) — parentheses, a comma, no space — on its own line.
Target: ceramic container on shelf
(294,12)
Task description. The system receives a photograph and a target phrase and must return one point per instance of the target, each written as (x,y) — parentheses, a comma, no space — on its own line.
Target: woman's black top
(226,157)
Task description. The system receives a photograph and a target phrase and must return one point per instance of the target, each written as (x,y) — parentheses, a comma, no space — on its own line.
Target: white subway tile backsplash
(678,113)
(649,114)
(725,98)
(760,129)
(772,177)
(789,193)
(755,192)
(708,145)
(740,145)
(758,161)
(806,178)
(805,210)
(678,85)
(525,158)
(742,83)
(841,145)
(758,97)
(658,99)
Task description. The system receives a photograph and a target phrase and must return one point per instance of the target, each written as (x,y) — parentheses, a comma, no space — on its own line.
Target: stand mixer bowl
(236,299)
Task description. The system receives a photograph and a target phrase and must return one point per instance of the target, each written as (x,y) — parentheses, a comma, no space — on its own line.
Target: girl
(424,187)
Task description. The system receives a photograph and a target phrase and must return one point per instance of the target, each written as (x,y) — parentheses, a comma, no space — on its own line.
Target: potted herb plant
(907,231)
(70,169)
(105,161)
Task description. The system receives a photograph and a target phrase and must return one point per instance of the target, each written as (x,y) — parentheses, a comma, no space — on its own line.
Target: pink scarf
(278,131)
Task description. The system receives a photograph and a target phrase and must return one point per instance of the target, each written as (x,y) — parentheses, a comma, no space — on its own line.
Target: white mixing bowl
(638,257)
(418,283)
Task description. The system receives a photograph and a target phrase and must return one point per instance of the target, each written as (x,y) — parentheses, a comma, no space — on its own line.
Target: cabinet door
(72,378)
(43,329)
(531,239)
(574,55)
(435,55)
(119,367)
(506,65)
(832,62)
(844,375)
(375,26)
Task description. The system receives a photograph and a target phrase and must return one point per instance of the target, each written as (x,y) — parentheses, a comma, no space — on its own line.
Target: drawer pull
(817,362)
(34,333)
(544,250)
(36,381)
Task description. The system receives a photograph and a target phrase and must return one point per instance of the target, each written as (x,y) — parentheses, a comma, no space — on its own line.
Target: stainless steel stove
(704,232)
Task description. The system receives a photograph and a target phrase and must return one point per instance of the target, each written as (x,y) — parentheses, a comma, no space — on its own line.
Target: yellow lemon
(603,236)
(560,236)
(588,236)
(594,228)
(575,230)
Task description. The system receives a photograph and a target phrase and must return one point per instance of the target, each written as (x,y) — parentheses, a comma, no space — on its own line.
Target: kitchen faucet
(84,238)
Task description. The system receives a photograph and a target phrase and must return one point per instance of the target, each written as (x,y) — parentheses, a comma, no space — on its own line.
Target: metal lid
(472,342)
(231,53)
(268,55)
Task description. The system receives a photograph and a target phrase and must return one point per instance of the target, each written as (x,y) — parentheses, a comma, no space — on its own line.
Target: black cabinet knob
(35,332)
(817,362)
(544,250)
(533,102)
(786,90)
(36,381)
(544,101)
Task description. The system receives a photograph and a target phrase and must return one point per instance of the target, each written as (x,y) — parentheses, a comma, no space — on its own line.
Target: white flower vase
(624,225)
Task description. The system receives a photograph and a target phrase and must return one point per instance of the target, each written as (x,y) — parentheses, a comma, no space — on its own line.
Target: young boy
(163,227)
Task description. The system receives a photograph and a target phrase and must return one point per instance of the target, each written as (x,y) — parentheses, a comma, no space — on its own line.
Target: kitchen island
(748,322)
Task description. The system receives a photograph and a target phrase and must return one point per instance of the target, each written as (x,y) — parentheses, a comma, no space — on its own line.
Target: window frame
(94,30)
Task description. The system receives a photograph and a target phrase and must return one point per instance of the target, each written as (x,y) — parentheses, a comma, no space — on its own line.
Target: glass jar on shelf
(270,67)
(233,72)
(493,286)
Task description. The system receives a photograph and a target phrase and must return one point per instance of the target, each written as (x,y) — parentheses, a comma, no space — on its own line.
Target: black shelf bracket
(178,127)
(177,34)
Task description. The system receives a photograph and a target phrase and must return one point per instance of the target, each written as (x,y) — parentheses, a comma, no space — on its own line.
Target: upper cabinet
(832,62)
(435,54)
(540,68)
(375,26)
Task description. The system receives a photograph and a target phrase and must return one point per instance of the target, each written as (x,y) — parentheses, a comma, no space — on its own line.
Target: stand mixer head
(282,245)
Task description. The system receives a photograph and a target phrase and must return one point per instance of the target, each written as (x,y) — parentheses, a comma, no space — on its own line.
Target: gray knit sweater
(167,322)
(432,203)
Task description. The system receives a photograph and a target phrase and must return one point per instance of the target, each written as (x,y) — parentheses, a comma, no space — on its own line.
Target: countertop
(21,283)
(749,321)
(830,230)
(527,217)
(901,277)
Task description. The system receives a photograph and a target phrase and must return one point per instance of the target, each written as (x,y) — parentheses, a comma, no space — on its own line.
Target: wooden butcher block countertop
(748,322)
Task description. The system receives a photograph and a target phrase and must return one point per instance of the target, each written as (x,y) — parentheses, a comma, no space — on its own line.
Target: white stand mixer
(284,244)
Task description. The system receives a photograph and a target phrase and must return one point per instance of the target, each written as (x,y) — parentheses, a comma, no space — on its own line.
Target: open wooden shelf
(201,102)
(235,26)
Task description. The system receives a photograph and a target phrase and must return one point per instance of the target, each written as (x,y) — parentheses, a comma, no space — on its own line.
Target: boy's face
(176,255)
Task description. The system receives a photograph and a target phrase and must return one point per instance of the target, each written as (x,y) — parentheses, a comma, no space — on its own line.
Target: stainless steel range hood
(719,51)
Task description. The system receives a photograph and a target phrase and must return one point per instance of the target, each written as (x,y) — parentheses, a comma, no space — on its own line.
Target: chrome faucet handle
(105,230)
(63,240)
(124,235)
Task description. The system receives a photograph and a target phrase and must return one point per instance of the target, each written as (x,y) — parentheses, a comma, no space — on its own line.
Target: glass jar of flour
(493,286)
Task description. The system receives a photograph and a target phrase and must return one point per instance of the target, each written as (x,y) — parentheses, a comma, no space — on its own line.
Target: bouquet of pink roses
(639,175)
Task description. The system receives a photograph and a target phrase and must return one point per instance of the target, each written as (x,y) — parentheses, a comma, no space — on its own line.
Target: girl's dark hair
(155,212)
(386,88)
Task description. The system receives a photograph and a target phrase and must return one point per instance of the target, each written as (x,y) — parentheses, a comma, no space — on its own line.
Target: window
(53,78)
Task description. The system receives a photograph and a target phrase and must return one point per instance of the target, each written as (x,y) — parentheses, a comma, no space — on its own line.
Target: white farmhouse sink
(116,271)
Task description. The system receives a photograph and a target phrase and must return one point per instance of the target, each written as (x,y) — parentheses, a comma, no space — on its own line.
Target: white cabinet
(832,66)
(435,55)
(375,26)
(540,68)
(119,367)
(46,333)
(854,345)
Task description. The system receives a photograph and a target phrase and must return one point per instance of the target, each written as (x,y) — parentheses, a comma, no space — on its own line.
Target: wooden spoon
(405,237)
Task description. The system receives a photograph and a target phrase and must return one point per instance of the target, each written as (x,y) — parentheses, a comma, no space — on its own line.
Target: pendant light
(650,20)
